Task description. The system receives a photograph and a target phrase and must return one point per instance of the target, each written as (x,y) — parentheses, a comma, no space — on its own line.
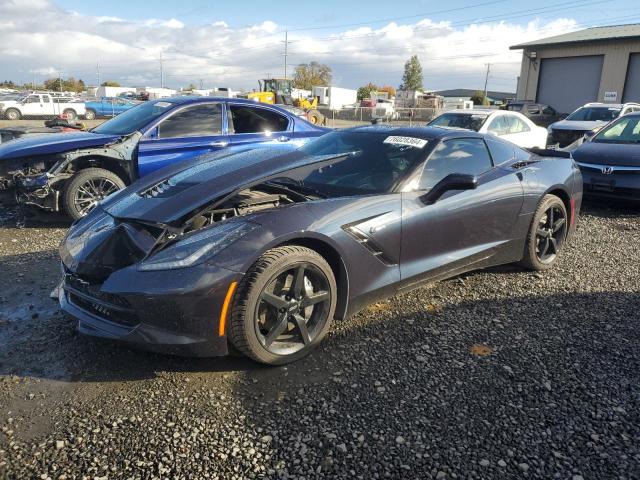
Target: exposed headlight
(197,247)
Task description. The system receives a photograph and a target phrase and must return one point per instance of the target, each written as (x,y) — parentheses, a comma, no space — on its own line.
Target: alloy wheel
(292,309)
(91,192)
(550,234)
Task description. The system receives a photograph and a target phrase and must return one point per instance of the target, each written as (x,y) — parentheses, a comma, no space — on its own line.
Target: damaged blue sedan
(72,172)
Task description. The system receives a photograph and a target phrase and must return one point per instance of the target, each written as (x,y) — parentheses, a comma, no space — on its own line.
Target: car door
(184,133)
(465,228)
(32,105)
(250,124)
(518,131)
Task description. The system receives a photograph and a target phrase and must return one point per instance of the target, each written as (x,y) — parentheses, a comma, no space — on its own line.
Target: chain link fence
(348,117)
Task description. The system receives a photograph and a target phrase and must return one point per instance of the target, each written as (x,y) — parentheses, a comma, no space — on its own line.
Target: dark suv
(540,114)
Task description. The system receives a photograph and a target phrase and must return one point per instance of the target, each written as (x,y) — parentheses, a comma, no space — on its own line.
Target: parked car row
(188,206)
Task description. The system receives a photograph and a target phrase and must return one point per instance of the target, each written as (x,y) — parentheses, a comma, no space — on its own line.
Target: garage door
(632,84)
(569,82)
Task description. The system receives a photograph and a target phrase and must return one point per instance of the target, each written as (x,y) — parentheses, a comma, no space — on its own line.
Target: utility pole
(98,72)
(486,80)
(60,80)
(161,73)
(201,84)
(286,50)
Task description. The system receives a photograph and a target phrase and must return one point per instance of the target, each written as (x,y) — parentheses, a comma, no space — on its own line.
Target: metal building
(597,64)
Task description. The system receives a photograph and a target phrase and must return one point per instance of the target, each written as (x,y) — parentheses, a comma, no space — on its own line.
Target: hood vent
(157,190)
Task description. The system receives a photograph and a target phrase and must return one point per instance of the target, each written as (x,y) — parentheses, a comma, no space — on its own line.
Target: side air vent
(157,190)
(368,243)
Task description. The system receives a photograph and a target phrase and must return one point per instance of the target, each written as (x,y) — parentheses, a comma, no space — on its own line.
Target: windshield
(134,119)
(377,162)
(625,130)
(468,121)
(595,114)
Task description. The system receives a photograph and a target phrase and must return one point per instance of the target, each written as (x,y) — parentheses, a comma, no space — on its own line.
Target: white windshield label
(410,141)
(163,104)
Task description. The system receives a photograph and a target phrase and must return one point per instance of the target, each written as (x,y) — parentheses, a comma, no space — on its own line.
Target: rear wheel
(70,114)
(547,234)
(284,306)
(86,188)
(90,114)
(12,114)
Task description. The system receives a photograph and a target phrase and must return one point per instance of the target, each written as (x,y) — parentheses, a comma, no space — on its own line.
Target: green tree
(412,77)
(191,87)
(110,83)
(65,85)
(313,74)
(479,98)
(365,92)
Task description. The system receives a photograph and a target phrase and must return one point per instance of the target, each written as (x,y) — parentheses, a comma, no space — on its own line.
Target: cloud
(37,37)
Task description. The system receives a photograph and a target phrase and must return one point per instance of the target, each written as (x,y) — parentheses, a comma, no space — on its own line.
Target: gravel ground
(497,374)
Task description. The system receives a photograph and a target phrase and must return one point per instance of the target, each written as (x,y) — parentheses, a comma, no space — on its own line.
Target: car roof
(186,99)
(601,104)
(426,133)
(475,111)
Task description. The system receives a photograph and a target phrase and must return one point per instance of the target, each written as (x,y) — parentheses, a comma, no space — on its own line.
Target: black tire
(12,114)
(76,203)
(547,234)
(90,114)
(248,328)
(315,117)
(70,114)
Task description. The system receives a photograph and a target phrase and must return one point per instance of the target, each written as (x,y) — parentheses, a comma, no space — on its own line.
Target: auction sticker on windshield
(410,141)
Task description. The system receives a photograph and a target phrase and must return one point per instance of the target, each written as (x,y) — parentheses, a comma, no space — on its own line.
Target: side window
(197,121)
(33,99)
(46,99)
(501,151)
(249,119)
(548,111)
(515,125)
(498,126)
(533,109)
(460,155)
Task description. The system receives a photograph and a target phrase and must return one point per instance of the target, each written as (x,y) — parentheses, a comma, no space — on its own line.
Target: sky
(233,44)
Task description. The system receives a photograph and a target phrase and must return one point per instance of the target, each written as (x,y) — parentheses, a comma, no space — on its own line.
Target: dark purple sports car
(263,250)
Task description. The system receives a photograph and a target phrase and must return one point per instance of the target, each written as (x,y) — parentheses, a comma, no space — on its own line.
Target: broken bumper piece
(36,191)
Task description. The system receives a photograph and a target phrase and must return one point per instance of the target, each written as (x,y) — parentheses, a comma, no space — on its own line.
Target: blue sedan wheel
(284,305)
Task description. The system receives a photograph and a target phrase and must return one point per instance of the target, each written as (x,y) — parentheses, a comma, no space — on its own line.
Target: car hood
(577,125)
(54,143)
(620,154)
(170,194)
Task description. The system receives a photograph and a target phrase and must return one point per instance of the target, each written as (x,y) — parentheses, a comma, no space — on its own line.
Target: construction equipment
(278,91)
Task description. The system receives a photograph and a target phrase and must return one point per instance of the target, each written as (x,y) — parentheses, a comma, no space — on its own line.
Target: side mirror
(453,181)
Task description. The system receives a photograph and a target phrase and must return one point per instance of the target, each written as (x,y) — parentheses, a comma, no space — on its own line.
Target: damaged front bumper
(41,191)
(174,314)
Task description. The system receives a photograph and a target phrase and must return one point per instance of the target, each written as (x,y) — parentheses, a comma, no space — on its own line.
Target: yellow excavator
(277,91)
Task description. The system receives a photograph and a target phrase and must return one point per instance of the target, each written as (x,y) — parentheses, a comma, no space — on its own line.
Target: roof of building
(594,34)
(467,92)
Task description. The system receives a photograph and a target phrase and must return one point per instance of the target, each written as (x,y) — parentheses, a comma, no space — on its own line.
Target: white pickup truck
(41,105)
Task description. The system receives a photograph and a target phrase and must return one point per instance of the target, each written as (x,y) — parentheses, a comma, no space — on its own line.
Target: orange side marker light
(225,308)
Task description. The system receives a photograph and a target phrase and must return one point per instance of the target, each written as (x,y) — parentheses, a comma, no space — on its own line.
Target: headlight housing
(197,247)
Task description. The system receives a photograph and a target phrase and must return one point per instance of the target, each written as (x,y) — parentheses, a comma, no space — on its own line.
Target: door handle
(219,143)
(283,138)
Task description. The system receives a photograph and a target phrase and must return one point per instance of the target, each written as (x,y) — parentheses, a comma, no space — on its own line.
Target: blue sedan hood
(53,143)
(620,154)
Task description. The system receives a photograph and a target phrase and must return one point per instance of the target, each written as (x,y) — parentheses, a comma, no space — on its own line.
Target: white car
(512,126)
(41,105)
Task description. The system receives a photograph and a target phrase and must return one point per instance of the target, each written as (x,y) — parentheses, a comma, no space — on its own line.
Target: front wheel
(547,234)
(12,114)
(284,305)
(86,188)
